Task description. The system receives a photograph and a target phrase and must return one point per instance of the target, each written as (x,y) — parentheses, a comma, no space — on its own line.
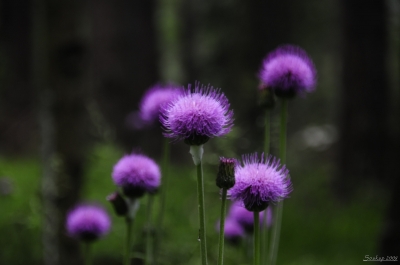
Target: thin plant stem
(129,226)
(267,133)
(256,244)
(282,154)
(202,230)
(264,229)
(149,234)
(222,228)
(163,195)
(87,247)
(244,244)
(264,238)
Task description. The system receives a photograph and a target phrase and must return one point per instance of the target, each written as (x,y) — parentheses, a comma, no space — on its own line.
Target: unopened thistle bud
(226,173)
(119,203)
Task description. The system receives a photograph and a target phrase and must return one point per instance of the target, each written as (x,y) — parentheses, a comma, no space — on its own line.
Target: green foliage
(316,229)
(20,211)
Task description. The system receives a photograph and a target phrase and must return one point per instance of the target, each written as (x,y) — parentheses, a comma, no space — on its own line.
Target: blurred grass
(316,228)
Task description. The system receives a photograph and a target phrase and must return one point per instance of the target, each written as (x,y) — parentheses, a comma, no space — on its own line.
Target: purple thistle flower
(136,174)
(288,70)
(197,115)
(155,98)
(260,182)
(233,231)
(246,218)
(88,222)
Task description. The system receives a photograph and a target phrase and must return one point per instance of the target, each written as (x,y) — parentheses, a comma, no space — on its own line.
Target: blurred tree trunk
(390,234)
(125,63)
(364,128)
(61,77)
(16,93)
(389,244)
(368,147)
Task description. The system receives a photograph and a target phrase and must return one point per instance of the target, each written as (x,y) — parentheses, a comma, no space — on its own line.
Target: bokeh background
(71,76)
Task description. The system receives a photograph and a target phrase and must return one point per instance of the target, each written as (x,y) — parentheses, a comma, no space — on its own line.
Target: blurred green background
(72,74)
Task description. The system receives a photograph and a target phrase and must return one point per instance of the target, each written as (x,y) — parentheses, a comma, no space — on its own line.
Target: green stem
(129,226)
(256,238)
(163,195)
(264,237)
(282,134)
(244,244)
(202,230)
(278,215)
(87,253)
(149,235)
(267,132)
(222,228)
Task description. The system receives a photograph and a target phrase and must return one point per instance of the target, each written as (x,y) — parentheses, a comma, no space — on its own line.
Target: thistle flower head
(155,98)
(288,71)
(245,218)
(260,182)
(88,222)
(136,174)
(226,173)
(197,115)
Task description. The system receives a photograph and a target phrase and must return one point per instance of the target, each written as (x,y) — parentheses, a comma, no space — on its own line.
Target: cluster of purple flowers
(196,115)
(136,174)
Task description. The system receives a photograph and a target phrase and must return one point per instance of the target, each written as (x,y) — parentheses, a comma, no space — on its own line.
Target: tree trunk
(125,63)
(16,93)
(364,108)
(61,78)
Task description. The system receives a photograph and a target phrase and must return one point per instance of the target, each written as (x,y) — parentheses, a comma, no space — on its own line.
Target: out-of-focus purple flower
(88,222)
(246,218)
(155,98)
(288,71)
(136,174)
(197,115)
(233,231)
(260,182)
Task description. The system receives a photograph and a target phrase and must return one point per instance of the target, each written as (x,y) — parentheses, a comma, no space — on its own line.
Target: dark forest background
(72,74)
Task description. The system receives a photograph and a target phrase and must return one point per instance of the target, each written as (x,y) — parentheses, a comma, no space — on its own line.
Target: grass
(316,228)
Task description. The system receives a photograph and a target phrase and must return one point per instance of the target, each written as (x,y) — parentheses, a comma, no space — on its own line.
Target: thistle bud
(119,203)
(226,173)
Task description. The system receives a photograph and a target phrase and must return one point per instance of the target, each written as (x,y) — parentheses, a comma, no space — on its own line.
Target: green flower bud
(119,203)
(226,173)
